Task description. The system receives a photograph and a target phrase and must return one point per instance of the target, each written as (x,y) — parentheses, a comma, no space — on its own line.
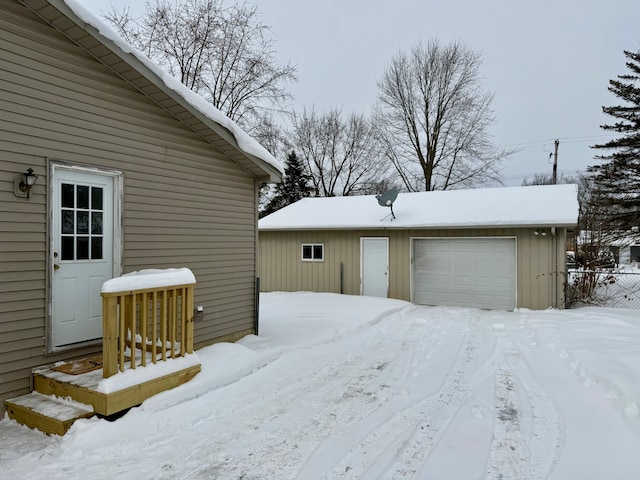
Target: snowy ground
(342,387)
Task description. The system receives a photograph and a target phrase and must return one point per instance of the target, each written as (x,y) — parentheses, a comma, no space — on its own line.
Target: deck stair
(47,413)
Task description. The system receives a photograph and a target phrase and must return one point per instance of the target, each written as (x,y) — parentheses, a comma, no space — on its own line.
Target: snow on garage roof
(244,141)
(544,205)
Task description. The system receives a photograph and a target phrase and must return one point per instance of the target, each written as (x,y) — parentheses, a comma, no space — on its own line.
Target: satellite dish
(387,198)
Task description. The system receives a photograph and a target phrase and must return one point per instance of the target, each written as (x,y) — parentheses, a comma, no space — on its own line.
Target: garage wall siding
(281,267)
(185,203)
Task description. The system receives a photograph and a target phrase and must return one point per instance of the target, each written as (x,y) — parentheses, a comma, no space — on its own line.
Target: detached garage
(499,248)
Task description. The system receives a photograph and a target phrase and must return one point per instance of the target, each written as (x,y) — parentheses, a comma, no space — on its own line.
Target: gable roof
(82,27)
(534,206)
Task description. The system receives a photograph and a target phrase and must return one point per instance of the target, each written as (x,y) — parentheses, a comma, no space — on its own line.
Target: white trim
(476,237)
(118,184)
(362,239)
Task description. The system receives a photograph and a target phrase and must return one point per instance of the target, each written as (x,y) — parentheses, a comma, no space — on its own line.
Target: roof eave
(264,171)
(422,227)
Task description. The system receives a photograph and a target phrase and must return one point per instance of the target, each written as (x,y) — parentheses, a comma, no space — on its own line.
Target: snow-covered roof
(545,205)
(86,19)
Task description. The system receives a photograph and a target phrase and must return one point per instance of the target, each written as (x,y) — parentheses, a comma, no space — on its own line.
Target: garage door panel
(476,272)
(440,263)
(437,283)
(463,280)
(460,247)
(484,264)
(503,282)
(460,265)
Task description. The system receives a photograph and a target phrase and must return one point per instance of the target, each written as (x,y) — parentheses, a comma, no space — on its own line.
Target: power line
(542,143)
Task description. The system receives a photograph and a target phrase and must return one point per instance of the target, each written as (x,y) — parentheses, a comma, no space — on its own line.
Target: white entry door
(374,266)
(82,253)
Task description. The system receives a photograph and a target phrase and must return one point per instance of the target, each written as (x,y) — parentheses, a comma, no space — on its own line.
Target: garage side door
(465,272)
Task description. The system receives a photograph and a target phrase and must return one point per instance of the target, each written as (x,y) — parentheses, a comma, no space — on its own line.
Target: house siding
(282,269)
(185,204)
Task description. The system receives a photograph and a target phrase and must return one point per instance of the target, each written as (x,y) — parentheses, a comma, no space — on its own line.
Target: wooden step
(83,388)
(47,413)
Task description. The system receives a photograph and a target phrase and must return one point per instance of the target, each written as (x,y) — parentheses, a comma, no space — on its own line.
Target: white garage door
(465,272)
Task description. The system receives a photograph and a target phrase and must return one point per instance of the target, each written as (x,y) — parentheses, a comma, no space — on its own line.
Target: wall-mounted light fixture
(23,183)
(540,232)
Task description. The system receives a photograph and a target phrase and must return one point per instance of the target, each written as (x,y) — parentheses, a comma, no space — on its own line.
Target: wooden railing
(145,325)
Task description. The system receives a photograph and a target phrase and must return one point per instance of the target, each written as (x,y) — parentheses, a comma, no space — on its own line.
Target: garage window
(312,252)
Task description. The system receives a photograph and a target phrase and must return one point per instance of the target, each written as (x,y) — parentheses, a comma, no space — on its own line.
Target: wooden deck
(61,398)
(87,387)
(147,348)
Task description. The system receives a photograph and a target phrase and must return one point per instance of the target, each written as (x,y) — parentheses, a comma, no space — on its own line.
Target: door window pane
(67,195)
(67,248)
(83,196)
(67,222)
(83,248)
(96,248)
(82,222)
(96,198)
(96,223)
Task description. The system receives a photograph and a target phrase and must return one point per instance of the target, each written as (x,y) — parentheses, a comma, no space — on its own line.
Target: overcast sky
(547,62)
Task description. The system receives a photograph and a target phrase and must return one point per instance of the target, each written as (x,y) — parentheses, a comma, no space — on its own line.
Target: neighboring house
(622,248)
(498,248)
(626,251)
(134,171)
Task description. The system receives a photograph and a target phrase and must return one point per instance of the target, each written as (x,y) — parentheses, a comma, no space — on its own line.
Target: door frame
(362,240)
(118,184)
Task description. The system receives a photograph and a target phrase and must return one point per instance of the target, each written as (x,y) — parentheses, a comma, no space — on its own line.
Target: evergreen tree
(294,187)
(617,180)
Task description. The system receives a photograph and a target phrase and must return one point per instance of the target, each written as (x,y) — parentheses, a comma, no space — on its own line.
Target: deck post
(109,336)
(190,319)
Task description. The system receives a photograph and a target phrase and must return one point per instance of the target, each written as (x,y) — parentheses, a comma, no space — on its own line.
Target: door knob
(56,266)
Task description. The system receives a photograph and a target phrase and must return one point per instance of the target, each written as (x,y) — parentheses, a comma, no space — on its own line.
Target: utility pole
(555,163)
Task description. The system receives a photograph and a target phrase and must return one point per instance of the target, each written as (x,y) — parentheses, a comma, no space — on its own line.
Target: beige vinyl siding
(186,203)
(281,268)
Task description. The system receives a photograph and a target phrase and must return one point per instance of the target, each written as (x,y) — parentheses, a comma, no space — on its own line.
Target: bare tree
(547,179)
(434,119)
(340,154)
(222,52)
(271,135)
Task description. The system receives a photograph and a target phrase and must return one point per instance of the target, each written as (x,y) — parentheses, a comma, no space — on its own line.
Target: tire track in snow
(399,444)
(292,420)
(438,414)
(528,431)
(508,458)
(414,346)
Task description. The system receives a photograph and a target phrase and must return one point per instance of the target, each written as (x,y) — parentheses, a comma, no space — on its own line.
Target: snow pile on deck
(149,278)
(152,371)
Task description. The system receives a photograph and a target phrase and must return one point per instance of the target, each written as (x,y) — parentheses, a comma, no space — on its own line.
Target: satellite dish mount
(386,199)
